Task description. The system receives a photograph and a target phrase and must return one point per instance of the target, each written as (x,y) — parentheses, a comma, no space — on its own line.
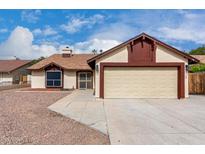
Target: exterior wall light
(187,67)
(96,67)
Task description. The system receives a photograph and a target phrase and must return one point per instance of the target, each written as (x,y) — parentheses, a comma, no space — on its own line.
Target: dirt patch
(25,119)
(14,86)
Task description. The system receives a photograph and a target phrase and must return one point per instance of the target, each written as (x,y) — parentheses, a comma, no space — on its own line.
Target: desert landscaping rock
(25,119)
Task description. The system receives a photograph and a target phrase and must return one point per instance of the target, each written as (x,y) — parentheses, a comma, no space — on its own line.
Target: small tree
(94,51)
(198,51)
(16,58)
(37,60)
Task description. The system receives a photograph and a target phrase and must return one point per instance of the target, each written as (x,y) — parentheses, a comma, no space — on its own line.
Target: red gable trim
(143,35)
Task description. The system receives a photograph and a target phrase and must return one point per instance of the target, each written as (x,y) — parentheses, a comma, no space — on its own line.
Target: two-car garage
(140,82)
(142,67)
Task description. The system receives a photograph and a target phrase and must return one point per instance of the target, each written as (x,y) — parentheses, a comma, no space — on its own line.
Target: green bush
(198,51)
(197,68)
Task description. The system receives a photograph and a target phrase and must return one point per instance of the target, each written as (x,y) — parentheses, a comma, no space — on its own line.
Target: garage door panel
(140,82)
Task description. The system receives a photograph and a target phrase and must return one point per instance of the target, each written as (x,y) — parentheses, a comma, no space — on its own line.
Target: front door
(85,80)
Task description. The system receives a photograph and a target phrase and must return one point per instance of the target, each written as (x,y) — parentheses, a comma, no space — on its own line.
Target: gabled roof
(201,58)
(74,62)
(185,55)
(11,65)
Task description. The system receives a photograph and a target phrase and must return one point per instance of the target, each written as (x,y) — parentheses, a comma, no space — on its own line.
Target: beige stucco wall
(38,79)
(164,55)
(70,79)
(120,55)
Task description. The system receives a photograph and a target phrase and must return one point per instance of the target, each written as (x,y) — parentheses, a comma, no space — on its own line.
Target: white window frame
(54,80)
(86,79)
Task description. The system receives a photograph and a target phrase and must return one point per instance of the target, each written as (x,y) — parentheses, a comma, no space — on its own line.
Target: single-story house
(142,67)
(11,71)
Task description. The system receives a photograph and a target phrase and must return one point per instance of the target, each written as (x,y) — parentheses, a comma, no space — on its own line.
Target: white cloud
(37,31)
(191,28)
(20,44)
(116,31)
(3,30)
(105,38)
(43,50)
(31,16)
(75,24)
(47,31)
(98,44)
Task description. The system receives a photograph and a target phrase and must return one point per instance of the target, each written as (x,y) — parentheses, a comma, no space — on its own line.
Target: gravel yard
(25,119)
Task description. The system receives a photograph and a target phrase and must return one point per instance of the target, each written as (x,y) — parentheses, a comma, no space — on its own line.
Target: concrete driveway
(138,121)
(156,121)
(83,107)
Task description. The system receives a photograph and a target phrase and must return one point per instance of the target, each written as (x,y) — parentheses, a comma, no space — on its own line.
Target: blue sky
(30,34)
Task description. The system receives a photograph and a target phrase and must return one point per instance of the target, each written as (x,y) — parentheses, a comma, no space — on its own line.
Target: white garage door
(140,82)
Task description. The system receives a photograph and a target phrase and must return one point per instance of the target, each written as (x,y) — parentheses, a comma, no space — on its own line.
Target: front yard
(25,119)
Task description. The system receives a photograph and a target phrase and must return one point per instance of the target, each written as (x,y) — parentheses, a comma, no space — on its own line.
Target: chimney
(66,52)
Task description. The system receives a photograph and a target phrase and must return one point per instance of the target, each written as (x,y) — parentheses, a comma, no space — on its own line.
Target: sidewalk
(83,107)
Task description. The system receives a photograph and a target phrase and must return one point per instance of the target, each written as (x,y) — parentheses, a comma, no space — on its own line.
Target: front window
(54,78)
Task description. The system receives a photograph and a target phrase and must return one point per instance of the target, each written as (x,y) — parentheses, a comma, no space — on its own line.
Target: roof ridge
(73,62)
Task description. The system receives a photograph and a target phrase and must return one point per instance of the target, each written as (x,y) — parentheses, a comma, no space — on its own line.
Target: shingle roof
(200,57)
(74,62)
(11,65)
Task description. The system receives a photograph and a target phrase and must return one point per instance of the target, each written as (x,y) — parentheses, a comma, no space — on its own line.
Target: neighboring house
(11,71)
(201,58)
(142,67)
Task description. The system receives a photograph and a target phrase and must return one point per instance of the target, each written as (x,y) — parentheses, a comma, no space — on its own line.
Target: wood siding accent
(180,66)
(142,51)
(196,83)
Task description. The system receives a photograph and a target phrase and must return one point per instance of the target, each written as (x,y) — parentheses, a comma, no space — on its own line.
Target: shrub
(197,68)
